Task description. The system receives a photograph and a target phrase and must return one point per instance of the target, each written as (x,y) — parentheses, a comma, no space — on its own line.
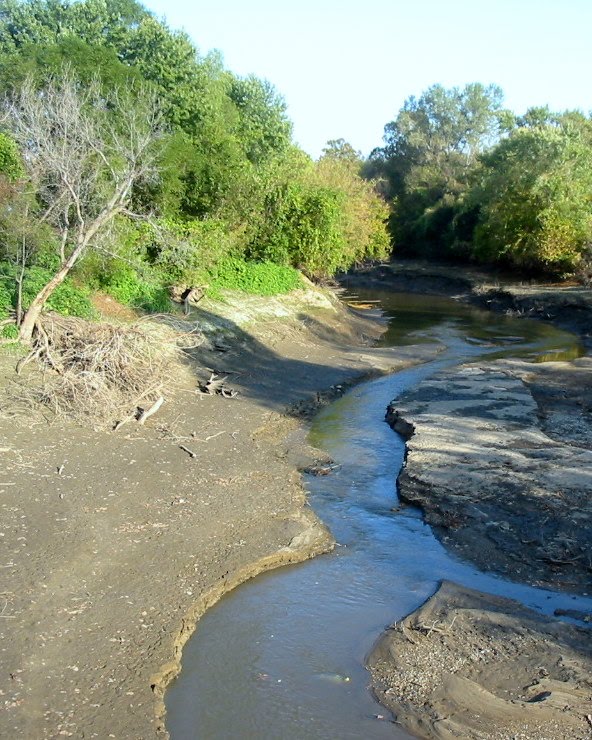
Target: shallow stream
(282,657)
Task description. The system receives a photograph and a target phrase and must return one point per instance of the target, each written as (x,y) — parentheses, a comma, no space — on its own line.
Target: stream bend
(282,656)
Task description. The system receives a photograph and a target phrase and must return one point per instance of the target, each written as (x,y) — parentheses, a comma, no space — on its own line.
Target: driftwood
(215,386)
(147,413)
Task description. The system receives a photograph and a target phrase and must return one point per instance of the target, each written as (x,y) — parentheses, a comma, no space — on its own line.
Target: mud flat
(113,544)
(496,487)
(475,666)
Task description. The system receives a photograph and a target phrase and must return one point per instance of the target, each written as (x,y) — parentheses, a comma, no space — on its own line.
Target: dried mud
(480,667)
(113,543)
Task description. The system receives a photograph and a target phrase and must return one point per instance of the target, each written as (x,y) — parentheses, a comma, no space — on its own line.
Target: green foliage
(10,331)
(11,166)
(231,185)
(364,211)
(68,299)
(125,285)
(183,251)
(41,62)
(319,217)
(6,295)
(534,198)
(262,126)
(302,228)
(260,278)
(429,152)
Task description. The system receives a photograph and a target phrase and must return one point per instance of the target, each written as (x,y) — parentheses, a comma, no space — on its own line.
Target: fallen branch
(152,410)
(215,386)
(191,453)
(25,360)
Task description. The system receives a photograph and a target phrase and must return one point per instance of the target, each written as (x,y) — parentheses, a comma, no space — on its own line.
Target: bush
(10,159)
(9,332)
(125,285)
(184,252)
(6,297)
(68,299)
(260,278)
(303,229)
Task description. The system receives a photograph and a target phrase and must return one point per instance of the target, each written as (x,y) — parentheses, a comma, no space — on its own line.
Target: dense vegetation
(130,162)
(470,180)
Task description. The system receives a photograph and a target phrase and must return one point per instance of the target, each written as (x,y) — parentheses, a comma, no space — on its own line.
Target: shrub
(10,159)
(9,332)
(260,278)
(303,229)
(6,298)
(183,252)
(68,299)
(127,286)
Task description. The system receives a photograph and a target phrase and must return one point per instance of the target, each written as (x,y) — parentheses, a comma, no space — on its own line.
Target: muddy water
(282,656)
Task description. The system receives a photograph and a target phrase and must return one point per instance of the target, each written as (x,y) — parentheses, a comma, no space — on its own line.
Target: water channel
(282,657)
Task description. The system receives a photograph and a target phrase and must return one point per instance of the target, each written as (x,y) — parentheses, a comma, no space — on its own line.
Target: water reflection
(417,319)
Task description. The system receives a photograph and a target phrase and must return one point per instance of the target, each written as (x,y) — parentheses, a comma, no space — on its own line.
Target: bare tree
(83,151)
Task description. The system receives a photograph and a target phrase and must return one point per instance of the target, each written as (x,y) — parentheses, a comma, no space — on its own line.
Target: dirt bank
(113,544)
(475,666)
(504,478)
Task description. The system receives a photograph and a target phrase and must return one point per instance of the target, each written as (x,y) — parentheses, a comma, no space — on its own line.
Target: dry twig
(101,371)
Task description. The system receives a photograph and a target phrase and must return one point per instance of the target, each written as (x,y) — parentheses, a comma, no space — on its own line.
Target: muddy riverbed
(113,545)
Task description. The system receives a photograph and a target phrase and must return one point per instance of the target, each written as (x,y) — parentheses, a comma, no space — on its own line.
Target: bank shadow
(258,372)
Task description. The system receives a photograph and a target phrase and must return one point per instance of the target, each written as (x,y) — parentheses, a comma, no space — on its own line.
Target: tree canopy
(227,183)
(468,179)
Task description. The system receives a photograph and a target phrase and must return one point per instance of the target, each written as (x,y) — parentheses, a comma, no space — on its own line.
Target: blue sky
(345,68)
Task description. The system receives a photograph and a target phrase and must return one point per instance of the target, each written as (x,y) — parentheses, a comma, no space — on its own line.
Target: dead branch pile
(100,372)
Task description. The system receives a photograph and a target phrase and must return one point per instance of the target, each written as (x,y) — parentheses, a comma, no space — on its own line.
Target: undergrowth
(69,299)
(127,287)
(258,278)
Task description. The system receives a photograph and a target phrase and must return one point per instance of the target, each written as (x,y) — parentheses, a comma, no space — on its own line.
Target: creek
(282,656)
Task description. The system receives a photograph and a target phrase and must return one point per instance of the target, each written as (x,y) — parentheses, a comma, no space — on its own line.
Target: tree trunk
(84,238)
(32,313)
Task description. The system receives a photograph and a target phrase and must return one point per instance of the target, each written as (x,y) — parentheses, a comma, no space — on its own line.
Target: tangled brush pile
(102,372)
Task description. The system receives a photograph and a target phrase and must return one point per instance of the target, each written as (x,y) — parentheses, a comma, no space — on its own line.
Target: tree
(263,126)
(533,196)
(342,150)
(364,211)
(430,150)
(81,162)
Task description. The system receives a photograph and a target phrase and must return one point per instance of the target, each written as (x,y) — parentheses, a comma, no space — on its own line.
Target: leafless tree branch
(83,150)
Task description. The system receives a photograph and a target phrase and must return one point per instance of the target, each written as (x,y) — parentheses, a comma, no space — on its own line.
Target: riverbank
(481,667)
(499,459)
(113,543)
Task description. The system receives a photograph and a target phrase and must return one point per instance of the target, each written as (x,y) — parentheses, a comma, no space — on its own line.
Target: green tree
(534,196)
(364,211)
(430,150)
(263,126)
